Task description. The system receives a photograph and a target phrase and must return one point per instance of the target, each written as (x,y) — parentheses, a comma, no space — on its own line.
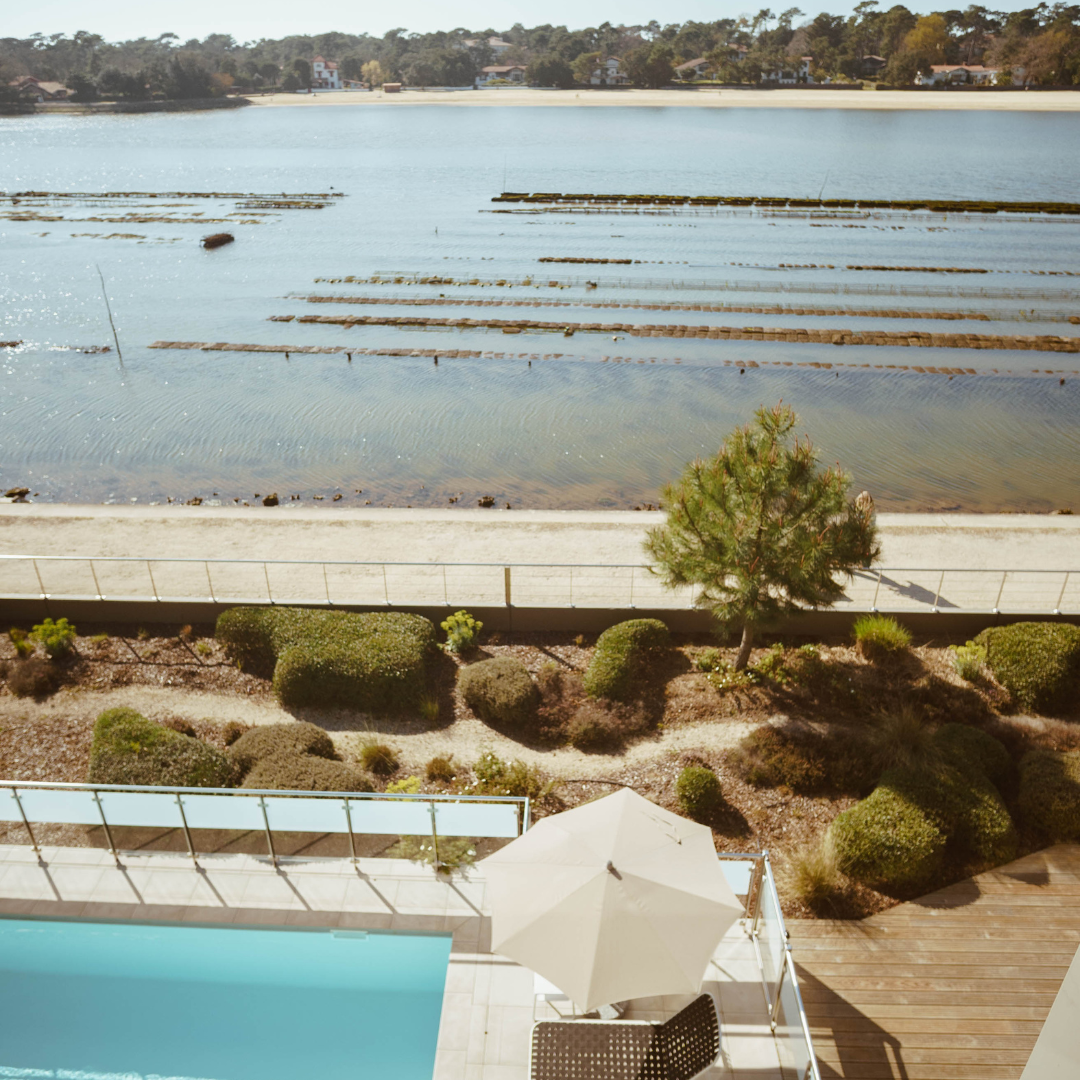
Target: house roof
(496,69)
(691,64)
(28,81)
(961,67)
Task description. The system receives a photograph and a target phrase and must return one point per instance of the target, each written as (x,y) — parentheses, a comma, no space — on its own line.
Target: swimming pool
(126,1001)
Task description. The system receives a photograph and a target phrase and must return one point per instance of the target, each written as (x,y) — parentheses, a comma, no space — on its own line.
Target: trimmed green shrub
(379,758)
(273,740)
(501,692)
(598,725)
(1038,663)
(879,637)
(887,840)
(462,632)
(1050,793)
(969,748)
(129,749)
(57,638)
(305,772)
(698,791)
(610,673)
(374,661)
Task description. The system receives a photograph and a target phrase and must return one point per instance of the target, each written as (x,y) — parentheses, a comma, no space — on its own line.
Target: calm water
(590,421)
(121,1001)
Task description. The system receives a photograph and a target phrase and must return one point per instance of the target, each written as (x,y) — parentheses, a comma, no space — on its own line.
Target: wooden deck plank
(953,986)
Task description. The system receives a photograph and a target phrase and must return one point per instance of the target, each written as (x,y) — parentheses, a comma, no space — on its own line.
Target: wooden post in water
(104,293)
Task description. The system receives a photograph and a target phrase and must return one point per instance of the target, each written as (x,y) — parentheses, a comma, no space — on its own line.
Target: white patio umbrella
(615,899)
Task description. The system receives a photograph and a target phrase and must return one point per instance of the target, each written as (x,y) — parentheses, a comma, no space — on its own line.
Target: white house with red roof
(325,75)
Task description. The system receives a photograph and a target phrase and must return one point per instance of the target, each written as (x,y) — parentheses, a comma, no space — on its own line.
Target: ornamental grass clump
(1038,663)
(374,661)
(811,874)
(129,749)
(501,693)
(901,737)
(379,758)
(698,791)
(618,654)
(1049,797)
(880,637)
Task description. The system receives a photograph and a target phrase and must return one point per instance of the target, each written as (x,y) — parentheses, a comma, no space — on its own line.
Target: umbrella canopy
(615,899)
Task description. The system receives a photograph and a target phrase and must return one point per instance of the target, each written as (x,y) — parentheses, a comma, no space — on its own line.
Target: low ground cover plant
(129,749)
(375,661)
(1049,797)
(880,637)
(968,660)
(619,650)
(698,791)
(1037,662)
(299,739)
(497,777)
(305,772)
(501,692)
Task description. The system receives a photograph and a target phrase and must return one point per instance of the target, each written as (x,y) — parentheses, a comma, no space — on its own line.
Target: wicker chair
(679,1049)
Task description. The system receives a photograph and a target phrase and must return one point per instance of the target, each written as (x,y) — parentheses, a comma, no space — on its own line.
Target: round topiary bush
(618,651)
(887,841)
(1050,793)
(1038,663)
(129,749)
(501,692)
(305,772)
(698,791)
(270,740)
(969,748)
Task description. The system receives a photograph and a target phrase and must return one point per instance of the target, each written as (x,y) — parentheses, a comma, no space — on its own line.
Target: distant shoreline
(704,97)
(98,108)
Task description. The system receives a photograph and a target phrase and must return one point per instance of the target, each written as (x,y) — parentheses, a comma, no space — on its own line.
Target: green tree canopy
(761,529)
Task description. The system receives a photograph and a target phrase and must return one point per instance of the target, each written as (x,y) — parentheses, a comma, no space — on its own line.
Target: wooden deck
(953,986)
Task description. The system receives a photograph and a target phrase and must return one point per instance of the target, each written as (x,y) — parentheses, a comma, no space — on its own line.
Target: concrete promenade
(556,559)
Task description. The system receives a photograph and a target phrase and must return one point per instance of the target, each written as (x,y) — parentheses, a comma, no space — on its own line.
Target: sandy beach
(703,98)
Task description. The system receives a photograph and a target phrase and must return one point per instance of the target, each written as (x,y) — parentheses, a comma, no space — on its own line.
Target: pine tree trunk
(744,648)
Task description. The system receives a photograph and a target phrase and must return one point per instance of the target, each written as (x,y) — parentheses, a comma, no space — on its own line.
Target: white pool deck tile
(488,1004)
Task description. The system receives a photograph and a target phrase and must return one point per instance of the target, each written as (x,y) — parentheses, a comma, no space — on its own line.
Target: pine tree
(761,529)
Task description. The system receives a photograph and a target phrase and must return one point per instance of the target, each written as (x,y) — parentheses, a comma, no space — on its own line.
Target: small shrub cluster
(57,638)
(450,853)
(942,799)
(24,647)
(462,632)
(1049,797)
(709,660)
(376,661)
(880,637)
(501,692)
(1038,663)
(698,791)
(602,725)
(968,659)
(129,749)
(497,777)
(32,678)
(561,696)
(769,758)
(407,785)
(619,650)
(298,739)
(305,772)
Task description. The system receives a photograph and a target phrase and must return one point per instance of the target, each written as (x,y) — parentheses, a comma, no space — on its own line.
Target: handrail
(258,795)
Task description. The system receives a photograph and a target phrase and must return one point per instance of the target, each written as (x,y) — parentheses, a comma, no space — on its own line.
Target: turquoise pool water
(105,1001)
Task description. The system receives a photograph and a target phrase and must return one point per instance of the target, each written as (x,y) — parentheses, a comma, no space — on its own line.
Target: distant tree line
(1041,44)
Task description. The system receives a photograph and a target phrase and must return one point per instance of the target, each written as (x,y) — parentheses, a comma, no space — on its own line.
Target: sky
(251,19)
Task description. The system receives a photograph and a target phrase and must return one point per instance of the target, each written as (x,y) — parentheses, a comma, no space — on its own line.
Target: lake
(538,418)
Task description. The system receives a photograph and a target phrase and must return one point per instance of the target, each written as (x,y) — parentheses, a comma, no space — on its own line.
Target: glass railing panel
(791,1044)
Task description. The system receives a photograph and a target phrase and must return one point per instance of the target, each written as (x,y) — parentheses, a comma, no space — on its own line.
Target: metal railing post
(526,815)
(385,587)
(44,594)
(266,575)
(93,574)
(937,595)
(507,595)
(352,837)
(877,589)
(187,831)
(1001,589)
(153,583)
(1061,595)
(269,838)
(775,1010)
(434,840)
(108,831)
(209,583)
(632,586)
(326,586)
(445,596)
(26,822)
(571,586)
